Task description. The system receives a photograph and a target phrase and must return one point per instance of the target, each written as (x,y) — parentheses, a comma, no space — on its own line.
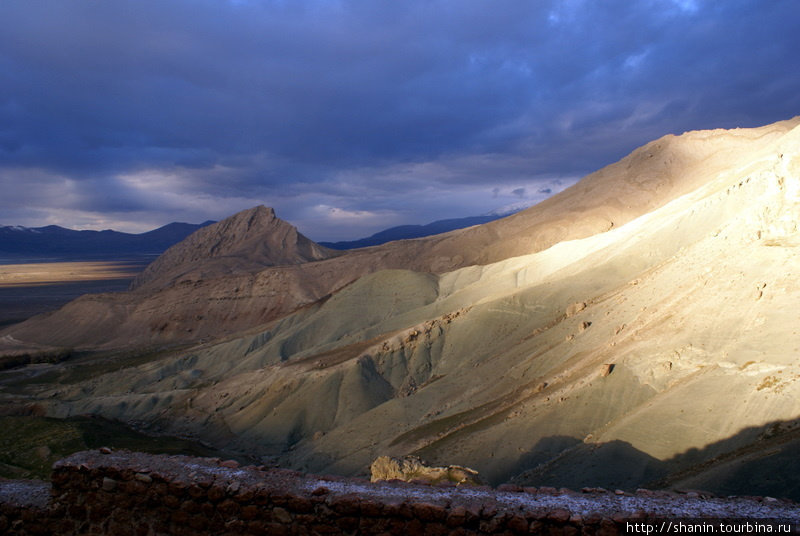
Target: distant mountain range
(53,241)
(18,242)
(403,232)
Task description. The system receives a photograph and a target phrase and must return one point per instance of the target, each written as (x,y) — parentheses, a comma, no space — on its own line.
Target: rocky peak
(249,240)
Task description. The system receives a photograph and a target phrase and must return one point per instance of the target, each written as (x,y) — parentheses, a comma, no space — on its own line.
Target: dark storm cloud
(192,108)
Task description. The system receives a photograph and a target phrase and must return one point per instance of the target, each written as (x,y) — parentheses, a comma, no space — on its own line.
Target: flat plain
(30,288)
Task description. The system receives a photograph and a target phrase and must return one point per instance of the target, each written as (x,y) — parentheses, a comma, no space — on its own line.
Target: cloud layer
(350,116)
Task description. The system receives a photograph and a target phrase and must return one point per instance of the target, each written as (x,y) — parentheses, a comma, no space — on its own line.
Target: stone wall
(124,493)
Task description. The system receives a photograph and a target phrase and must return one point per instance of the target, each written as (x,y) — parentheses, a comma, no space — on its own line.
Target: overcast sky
(352,116)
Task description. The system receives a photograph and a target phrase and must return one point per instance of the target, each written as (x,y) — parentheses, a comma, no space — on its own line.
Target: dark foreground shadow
(761,461)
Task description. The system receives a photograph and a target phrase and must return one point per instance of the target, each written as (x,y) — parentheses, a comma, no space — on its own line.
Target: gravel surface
(24,493)
(666,505)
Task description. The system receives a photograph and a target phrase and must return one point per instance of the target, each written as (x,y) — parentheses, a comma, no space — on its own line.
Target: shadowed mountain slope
(663,347)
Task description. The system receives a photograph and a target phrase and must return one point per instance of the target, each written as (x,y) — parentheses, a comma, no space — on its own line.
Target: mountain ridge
(405,232)
(56,241)
(646,179)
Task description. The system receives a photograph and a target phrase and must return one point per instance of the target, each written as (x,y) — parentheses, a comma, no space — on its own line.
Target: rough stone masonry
(127,493)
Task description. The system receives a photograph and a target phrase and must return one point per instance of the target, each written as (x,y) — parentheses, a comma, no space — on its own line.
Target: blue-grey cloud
(145,111)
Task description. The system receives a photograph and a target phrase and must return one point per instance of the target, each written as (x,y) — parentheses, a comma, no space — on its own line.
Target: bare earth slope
(235,275)
(664,349)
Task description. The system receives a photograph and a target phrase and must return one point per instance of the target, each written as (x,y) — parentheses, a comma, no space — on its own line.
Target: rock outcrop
(412,468)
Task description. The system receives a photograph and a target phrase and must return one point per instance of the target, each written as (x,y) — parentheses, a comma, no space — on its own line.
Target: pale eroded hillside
(639,324)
